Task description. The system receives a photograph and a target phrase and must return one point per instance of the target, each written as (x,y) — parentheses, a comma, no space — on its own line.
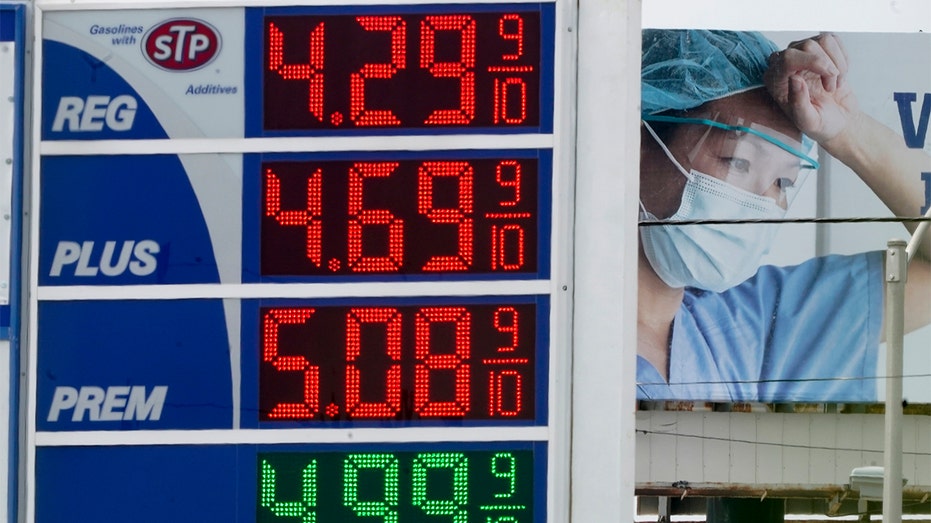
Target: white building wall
(766,448)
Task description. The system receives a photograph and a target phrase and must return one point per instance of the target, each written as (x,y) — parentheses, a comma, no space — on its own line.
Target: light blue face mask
(713,257)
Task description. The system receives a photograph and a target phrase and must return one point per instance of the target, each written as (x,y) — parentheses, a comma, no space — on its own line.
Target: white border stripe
(432,142)
(790,15)
(299,436)
(68,5)
(27,507)
(295,290)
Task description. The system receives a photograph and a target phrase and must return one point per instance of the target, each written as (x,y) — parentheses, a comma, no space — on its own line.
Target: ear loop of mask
(666,150)
(644,213)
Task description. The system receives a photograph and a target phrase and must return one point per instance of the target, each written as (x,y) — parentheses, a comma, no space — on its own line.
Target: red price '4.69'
(402,71)
(429,217)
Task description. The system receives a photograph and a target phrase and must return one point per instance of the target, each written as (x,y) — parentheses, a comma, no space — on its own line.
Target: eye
(785,183)
(737,165)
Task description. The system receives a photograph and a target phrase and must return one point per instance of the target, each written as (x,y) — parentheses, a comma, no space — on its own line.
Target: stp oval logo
(181,44)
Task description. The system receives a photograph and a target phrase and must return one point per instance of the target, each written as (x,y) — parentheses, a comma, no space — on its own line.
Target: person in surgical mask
(728,134)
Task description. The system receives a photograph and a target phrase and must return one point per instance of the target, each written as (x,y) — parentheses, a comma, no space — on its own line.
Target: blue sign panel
(339,363)
(236,72)
(141,221)
(127,365)
(227,218)
(89,100)
(406,483)
(142,74)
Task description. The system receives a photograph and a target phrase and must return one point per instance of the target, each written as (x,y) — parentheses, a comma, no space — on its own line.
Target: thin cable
(655,223)
(770,444)
(783,380)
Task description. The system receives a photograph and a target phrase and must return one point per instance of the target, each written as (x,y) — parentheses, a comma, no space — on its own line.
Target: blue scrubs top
(808,333)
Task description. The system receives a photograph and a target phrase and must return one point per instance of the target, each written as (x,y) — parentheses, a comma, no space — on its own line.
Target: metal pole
(896,271)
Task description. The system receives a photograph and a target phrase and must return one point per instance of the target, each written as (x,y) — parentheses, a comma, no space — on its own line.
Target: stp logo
(181,44)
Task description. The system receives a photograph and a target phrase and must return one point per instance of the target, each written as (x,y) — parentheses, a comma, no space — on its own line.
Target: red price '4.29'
(402,71)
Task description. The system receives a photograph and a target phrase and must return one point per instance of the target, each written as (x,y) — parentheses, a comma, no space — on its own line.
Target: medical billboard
(774,169)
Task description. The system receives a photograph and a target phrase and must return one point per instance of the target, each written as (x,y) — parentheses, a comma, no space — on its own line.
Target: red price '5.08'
(399,217)
(330,363)
(402,71)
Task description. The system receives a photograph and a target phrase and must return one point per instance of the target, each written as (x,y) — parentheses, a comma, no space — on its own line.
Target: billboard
(774,169)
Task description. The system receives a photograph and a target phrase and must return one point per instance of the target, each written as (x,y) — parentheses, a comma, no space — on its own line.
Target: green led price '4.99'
(396,487)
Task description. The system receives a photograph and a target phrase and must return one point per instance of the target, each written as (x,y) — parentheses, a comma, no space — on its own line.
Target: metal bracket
(896,261)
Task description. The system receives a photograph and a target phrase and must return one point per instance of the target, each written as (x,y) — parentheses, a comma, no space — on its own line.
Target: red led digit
(507,247)
(391,319)
(506,322)
(514,183)
(309,217)
(311,71)
(504,110)
(460,215)
(497,393)
(463,69)
(359,218)
(429,361)
(283,363)
(511,27)
(357,112)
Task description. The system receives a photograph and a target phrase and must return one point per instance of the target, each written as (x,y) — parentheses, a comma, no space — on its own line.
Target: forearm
(893,171)
(889,168)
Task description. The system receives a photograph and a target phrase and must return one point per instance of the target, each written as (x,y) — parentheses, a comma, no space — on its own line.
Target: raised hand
(808,81)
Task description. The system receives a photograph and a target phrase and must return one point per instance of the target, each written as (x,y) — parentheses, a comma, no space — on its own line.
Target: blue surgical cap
(682,69)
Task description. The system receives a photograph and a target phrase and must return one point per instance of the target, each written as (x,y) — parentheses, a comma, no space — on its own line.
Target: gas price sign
(304,273)
(496,482)
(402,70)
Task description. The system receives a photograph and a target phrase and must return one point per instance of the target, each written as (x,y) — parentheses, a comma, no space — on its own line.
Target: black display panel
(396,486)
(450,215)
(473,361)
(403,70)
